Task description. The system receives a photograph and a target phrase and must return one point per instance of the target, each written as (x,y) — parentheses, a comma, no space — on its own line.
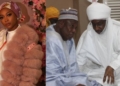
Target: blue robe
(61,65)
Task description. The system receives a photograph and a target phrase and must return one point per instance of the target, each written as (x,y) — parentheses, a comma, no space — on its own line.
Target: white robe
(97,51)
(61,64)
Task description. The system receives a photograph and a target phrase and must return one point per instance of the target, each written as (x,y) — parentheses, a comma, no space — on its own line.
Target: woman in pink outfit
(20,55)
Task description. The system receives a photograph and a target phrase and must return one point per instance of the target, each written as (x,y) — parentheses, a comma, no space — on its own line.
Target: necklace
(4,42)
(3,45)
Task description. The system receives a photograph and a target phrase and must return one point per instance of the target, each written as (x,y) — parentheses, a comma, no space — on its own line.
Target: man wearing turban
(52,14)
(98,49)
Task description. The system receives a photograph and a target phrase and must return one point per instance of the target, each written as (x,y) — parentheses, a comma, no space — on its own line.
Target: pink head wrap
(12,6)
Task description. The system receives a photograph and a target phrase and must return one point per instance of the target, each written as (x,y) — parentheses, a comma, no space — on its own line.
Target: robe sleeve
(115,64)
(55,65)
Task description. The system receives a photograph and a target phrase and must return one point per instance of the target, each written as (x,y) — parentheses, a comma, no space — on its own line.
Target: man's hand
(80,85)
(109,72)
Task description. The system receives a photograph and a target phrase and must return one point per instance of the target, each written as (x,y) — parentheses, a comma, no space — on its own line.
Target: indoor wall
(80,5)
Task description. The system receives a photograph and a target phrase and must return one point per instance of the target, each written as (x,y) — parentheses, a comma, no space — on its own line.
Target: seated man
(61,65)
(98,50)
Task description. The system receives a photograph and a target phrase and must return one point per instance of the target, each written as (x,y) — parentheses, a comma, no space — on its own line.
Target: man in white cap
(61,64)
(98,50)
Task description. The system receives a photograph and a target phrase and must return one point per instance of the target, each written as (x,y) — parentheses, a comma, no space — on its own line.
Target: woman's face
(8,19)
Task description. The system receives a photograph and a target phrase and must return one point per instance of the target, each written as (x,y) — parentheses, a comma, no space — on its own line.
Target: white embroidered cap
(68,14)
